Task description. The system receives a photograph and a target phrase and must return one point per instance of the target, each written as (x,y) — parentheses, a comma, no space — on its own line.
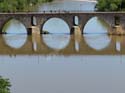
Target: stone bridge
(38,19)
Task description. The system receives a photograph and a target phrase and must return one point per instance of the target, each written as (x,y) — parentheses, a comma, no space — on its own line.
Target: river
(62,63)
(68,5)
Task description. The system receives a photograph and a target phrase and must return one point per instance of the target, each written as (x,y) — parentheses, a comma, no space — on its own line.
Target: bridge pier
(33,30)
(117,30)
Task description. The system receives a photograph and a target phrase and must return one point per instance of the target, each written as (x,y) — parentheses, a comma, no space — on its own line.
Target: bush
(4,85)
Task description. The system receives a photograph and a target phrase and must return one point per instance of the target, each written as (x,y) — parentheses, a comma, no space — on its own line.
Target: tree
(19,5)
(123,4)
(109,5)
(4,85)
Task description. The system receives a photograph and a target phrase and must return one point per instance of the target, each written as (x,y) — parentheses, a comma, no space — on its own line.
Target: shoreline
(86,0)
(93,1)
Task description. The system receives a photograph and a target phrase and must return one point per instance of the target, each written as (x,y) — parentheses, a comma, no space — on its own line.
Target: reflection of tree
(6,27)
(4,85)
(101,21)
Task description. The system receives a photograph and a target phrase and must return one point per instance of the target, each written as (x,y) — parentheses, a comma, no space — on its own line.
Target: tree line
(19,5)
(110,5)
(29,5)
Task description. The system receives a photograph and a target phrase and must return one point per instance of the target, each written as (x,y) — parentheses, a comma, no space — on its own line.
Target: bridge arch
(55,25)
(16,33)
(14,26)
(95,25)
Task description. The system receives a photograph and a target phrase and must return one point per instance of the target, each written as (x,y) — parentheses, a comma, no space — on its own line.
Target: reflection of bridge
(38,19)
(41,48)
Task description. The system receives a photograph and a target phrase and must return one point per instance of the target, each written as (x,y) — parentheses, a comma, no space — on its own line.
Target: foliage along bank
(19,5)
(4,85)
(110,5)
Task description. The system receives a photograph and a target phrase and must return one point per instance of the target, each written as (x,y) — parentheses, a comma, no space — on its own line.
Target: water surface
(64,5)
(94,68)
(60,62)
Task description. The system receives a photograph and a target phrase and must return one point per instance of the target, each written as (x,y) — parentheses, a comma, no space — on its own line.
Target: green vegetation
(103,23)
(4,85)
(19,5)
(110,5)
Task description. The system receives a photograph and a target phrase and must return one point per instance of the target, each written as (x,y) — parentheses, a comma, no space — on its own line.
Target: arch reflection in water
(98,41)
(15,41)
(56,25)
(56,42)
(96,26)
(16,34)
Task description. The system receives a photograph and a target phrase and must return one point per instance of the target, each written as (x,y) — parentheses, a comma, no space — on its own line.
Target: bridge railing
(65,11)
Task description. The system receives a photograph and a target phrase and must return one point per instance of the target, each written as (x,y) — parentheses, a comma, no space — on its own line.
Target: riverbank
(68,5)
(93,1)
